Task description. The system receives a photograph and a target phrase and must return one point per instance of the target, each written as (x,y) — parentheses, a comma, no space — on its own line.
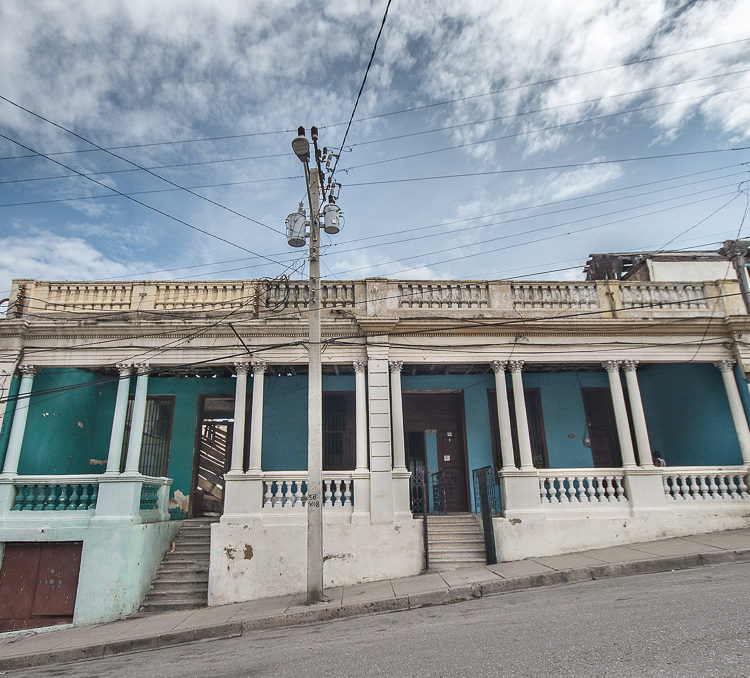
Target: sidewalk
(26,649)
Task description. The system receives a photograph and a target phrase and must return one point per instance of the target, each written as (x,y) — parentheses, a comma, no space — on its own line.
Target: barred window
(157,433)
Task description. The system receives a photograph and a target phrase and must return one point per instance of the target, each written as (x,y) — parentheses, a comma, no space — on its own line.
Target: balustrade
(603,486)
(555,295)
(651,295)
(149,496)
(706,484)
(643,298)
(55,495)
(443,295)
(284,490)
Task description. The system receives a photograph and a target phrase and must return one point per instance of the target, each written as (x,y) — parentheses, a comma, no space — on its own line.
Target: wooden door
(38,584)
(442,412)
(602,428)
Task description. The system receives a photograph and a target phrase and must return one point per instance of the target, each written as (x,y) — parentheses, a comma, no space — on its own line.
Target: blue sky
(139,74)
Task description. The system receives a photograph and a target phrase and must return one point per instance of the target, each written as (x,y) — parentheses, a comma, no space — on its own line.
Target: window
(157,433)
(533,399)
(339,434)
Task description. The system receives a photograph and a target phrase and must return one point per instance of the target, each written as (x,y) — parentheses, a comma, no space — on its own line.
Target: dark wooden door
(38,584)
(602,428)
(443,413)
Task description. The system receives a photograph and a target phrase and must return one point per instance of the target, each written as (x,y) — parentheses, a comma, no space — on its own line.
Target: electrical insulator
(332,218)
(296,226)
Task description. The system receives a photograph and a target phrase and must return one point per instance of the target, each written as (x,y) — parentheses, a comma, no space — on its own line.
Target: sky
(493,139)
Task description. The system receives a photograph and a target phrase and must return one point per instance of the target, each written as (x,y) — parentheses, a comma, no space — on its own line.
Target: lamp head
(301,146)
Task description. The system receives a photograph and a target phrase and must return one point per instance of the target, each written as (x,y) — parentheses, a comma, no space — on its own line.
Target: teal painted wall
(285,419)
(8,418)
(65,432)
(686,409)
(688,416)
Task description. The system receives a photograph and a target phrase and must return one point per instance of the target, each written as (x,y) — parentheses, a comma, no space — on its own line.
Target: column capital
(142,368)
(499,366)
(629,365)
(611,365)
(360,366)
(515,365)
(259,367)
(395,366)
(725,365)
(28,370)
(125,369)
(241,367)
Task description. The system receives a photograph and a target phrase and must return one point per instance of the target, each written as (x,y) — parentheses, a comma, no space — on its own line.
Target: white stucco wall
(538,534)
(693,271)
(253,560)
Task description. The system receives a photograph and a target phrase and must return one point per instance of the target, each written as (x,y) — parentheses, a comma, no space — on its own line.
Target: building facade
(131,406)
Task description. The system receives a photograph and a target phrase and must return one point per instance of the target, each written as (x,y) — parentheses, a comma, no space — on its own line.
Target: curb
(399,603)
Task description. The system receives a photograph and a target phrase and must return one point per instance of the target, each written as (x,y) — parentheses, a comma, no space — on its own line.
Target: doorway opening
(213,454)
(436,443)
(602,427)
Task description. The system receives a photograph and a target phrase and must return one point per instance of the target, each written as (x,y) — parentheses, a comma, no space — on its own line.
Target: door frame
(462,420)
(196,441)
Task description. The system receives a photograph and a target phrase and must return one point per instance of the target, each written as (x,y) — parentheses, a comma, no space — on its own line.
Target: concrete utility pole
(301,148)
(296,225)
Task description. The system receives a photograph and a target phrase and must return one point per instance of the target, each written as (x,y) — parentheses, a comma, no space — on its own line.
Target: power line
(548,81)
(538,130)
(543,168)
(140,167)
(143,204)
(361,88)
(566,105)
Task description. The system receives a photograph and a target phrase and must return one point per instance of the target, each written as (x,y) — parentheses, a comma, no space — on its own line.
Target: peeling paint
(97,462)
(231,552)
(248,551)
(515,521)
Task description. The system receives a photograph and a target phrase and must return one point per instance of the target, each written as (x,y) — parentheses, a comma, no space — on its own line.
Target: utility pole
(296,227)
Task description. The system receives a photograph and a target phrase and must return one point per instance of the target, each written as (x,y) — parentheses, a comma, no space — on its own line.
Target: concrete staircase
(455,540)
(182,580)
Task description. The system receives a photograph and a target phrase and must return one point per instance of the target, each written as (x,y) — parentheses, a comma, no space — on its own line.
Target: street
(686,623)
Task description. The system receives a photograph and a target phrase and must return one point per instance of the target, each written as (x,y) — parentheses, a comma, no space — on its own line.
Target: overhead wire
(140,167)
(143,204)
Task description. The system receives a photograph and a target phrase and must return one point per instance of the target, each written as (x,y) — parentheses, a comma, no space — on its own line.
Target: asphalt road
(686,623)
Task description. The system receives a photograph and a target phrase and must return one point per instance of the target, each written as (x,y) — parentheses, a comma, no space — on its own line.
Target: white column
(361,414)
(118,420)
(503,414)
(238,432)
(256,417)
(397,416)
(522,422)
(621,413)
(21,412)
(639,418)
(133,459)
(735,405)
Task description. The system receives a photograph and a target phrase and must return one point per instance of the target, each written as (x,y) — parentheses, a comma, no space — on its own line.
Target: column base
(401,500)
(520,490)
(645,488)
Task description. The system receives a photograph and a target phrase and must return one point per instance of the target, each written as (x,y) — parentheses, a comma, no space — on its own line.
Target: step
(182,554)
(453,529)
(181,594)
(167,605)
(457,553)
(469,560)
(181,567)
(180,576)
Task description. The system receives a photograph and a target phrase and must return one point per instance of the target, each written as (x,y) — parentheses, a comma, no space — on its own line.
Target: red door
(38,584)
